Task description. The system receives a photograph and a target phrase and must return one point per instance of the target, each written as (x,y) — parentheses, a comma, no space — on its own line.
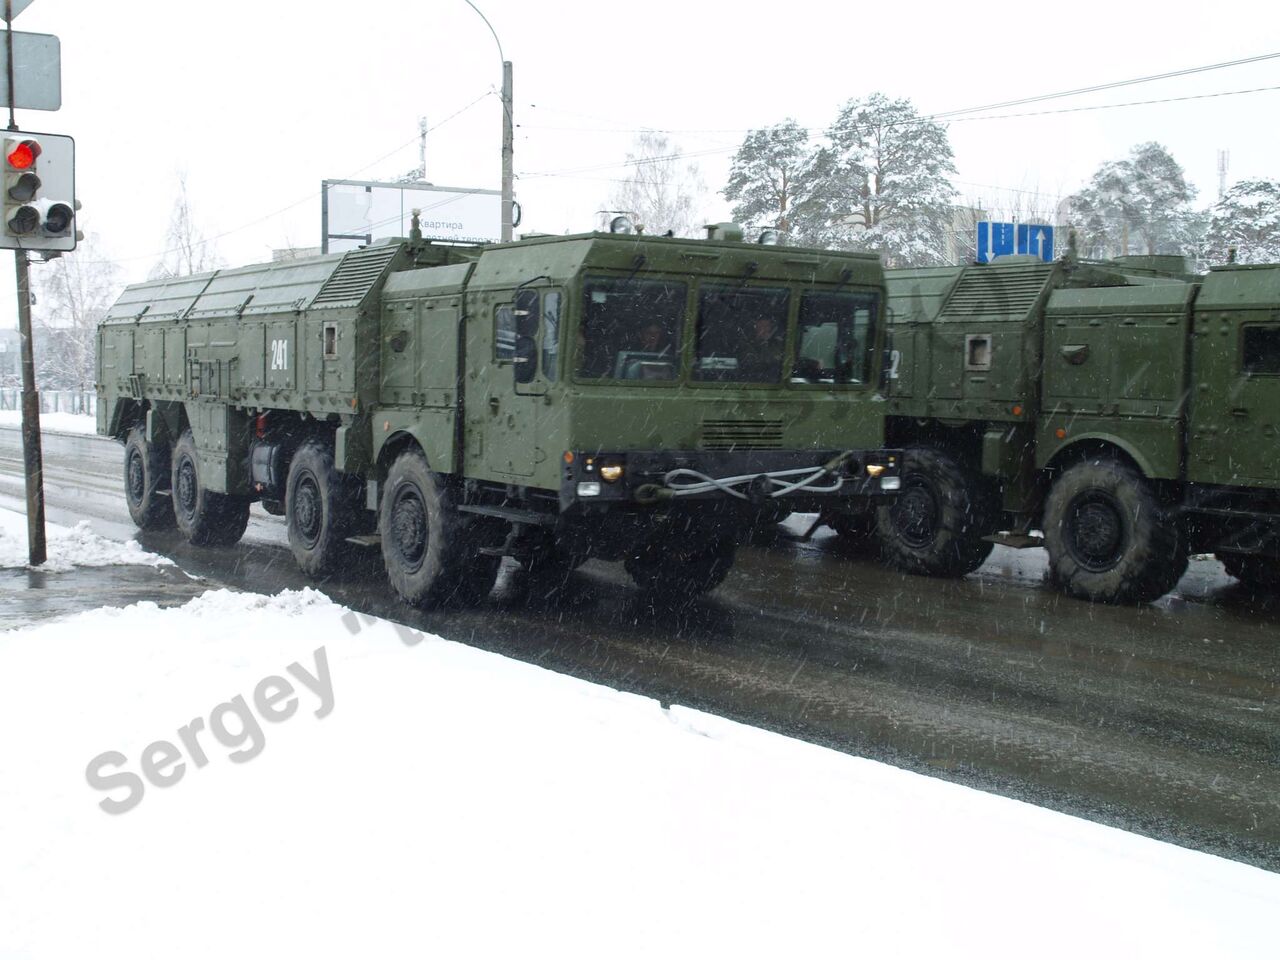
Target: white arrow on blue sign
(1001,239)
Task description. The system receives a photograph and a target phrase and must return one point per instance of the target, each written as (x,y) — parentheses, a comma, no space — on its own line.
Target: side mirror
(526,311)
(526,358)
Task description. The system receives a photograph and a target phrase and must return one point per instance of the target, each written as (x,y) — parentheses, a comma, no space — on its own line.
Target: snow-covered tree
(1247,218)
(662,191)
(1141,204)
(880,184)
(765,174)
(74,292)
(187,249)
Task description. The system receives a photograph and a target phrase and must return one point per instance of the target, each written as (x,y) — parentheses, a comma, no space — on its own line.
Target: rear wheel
(682,566)
(146,482)
(936,524)
(430,554)
(320,507)
(205,518)
(1109,537)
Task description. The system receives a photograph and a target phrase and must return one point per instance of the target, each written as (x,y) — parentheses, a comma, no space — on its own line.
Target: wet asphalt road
(1163,720)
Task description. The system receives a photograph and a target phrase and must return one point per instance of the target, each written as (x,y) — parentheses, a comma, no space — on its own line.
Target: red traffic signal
(22,155)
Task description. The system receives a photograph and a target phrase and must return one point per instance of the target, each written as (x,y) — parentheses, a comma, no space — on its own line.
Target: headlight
(770,238)
(621,225)
(875,469)
(588,488)
(886,483)
(612,473)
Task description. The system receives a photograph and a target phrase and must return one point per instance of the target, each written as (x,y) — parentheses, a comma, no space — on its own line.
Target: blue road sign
(1000,239)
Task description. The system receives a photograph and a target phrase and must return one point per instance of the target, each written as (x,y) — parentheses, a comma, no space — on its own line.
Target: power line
(569,173)
(1187,71)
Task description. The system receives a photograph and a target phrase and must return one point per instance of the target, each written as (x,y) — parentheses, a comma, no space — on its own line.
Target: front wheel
(936,524)
(1109,537)
(430,554)
(146,482)
(205,518)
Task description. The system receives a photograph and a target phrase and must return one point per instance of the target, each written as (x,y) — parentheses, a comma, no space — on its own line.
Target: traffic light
(39,192)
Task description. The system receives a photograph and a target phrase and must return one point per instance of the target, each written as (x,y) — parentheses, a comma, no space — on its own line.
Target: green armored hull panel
(1234,431)
(1115,362)
(967,340)
(297,335)
(206,350)
(916,298)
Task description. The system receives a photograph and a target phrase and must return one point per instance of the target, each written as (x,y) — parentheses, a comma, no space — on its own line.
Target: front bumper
(752,478)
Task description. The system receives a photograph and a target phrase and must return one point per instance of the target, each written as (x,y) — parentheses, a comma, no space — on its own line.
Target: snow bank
(75,547)
(454,803)
(62,422)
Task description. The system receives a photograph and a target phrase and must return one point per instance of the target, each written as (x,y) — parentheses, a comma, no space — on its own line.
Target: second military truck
(1128,409)
(610,395)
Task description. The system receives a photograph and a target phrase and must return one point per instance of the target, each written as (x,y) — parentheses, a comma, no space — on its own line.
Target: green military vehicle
(608,395)
(1128,409)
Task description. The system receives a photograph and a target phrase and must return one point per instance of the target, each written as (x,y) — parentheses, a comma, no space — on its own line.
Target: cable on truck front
(756,487)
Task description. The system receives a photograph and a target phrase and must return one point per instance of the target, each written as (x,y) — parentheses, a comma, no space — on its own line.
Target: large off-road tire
(320,509)
(146,482)
(684,566)
(1259,573)
(205,518)
(1109,537)
(936,524)
(431,556)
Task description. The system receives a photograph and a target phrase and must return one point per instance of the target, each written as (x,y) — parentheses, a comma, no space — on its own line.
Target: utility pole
(422,148)
(508,149)
(32,458)
(32,455)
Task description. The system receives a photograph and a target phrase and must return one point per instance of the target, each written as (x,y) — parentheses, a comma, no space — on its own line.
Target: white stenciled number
(279,354)
(895,357)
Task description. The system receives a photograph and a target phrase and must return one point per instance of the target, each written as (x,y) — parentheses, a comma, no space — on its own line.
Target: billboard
(355,212)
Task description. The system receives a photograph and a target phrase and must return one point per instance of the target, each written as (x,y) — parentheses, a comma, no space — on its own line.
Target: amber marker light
(1060,433)
(1017,410)
(568,456)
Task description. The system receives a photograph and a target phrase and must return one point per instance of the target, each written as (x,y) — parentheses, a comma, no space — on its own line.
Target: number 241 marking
(279,354)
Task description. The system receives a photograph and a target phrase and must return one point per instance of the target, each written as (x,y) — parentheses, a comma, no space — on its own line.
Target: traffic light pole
(32,455)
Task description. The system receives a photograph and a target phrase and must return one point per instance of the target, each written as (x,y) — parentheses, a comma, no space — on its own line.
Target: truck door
(525,339)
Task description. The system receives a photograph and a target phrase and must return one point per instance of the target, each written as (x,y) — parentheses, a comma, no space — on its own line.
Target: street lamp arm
(501,56)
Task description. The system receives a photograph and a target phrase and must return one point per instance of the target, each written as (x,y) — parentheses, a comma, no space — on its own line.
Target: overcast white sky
(259,100)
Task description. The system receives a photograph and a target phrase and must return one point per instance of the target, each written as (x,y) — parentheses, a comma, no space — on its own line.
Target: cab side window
(504,332)
(551,334)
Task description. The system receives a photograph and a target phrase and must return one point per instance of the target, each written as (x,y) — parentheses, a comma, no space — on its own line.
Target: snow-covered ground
(337,786)
(62,422)
(76,546)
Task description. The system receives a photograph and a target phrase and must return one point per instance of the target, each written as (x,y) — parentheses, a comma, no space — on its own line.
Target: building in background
(10,359)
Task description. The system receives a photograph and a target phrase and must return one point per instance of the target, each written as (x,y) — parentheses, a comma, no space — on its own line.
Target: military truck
(1128,409)
(607,395)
